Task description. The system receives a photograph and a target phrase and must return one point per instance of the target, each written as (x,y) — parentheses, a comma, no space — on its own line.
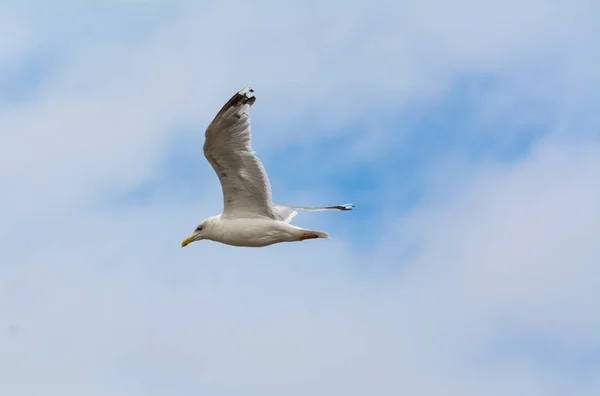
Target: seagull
(249,218)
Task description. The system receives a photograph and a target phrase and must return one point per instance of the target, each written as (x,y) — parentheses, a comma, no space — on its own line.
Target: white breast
(254,232)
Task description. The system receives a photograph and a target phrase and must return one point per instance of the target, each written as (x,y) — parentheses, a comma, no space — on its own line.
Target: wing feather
(288,212)
(227,147)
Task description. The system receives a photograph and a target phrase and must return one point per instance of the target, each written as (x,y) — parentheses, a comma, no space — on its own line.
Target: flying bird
(249,216)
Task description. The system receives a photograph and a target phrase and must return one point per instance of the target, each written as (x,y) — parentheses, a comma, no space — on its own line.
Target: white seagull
(249,216)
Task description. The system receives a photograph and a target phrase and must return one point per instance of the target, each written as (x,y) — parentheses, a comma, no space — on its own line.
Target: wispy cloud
(465,133)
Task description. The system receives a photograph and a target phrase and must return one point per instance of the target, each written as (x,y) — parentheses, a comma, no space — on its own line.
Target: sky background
(466,133)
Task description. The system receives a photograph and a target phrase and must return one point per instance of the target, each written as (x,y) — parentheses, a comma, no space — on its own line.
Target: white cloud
(119,302)
(19,42)
(103,301)
(341,63)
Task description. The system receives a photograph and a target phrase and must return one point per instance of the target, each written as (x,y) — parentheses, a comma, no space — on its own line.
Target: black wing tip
(241,98)
(246,95)
(344,207)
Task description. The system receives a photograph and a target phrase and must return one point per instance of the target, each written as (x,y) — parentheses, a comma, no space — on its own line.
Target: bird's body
(249,217)
(257,232)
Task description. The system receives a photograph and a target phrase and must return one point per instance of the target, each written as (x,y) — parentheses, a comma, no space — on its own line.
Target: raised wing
(246,187)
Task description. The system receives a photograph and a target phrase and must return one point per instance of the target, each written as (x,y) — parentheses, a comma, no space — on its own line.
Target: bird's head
(201,232)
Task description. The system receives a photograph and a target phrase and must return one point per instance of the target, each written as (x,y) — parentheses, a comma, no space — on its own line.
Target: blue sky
(465,133)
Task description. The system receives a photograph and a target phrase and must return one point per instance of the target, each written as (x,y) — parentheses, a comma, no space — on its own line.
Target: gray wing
(288,212)
(246,187)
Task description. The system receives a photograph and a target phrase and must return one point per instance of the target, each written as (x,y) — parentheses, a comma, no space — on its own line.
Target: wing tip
(248,92)
(236,104)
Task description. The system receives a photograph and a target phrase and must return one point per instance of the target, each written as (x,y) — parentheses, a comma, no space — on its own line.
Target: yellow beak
(187,241)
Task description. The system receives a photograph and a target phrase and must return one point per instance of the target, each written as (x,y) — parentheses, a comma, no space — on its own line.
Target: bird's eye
(199,228)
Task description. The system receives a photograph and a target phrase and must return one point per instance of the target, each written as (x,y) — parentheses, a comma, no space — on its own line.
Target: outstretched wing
(288,212)
(246,187)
